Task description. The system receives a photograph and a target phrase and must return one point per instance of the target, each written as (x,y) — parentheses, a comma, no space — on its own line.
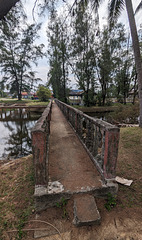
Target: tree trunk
(103,93)
(64,78)
(135,90)
(124,89)
(5,6)
(136,49)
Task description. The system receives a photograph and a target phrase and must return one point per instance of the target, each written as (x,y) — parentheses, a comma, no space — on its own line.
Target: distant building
(29,95)
(24,95)
(76,97)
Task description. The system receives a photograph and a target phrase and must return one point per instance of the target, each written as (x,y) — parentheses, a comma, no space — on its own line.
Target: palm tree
(115,7)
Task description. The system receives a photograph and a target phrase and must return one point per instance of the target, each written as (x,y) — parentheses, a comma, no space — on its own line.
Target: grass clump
(62,204)
(110,202)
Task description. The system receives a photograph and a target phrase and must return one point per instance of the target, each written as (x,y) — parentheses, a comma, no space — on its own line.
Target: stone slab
(85,211)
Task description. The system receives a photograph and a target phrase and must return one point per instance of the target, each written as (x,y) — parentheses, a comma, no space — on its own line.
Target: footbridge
(74,157)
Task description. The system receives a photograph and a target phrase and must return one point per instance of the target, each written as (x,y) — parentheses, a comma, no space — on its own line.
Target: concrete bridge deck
(69,162)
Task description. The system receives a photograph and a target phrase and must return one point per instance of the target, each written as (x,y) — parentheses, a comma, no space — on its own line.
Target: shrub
(43,93)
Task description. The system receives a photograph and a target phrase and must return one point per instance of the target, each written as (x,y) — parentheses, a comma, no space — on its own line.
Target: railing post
(110,153)
(39,142)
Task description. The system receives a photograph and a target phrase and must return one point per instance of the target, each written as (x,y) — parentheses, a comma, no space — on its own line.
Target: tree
(7,5)
(124,65)
(2,87)
(109,55)
(44,94)
(82,51)
(58,57)
(18,52)
(115,9)
(104,60)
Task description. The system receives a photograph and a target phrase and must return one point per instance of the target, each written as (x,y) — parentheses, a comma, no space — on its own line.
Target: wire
(38,229)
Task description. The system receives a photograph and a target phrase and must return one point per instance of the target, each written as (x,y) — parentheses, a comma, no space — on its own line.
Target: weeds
(62,204)
(126,114)
(111,202)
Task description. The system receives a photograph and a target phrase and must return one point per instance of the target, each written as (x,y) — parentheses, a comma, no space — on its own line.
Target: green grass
(129,165)
(36,102)
(110,202)
(13,100)
(26,102)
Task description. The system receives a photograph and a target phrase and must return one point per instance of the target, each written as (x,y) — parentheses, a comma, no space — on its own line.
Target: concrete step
(85,210)
(48,196)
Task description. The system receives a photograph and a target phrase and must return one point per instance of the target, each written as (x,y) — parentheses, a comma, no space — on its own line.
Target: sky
(42,68)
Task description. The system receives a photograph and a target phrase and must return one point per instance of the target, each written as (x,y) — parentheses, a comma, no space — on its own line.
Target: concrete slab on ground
(85,211)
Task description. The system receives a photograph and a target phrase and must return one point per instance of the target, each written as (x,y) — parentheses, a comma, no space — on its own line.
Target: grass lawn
(130,166)
(27,102)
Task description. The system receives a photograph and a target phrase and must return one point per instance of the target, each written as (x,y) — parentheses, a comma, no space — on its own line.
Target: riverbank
(122,222)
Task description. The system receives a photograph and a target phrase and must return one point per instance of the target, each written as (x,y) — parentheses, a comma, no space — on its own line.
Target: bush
(44,94)
(126,114)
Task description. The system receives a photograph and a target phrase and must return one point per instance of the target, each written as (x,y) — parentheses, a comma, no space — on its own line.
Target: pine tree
(18,52)
(58,58)
(82,51)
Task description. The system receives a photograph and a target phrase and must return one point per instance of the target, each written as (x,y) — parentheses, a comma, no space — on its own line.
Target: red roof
(24,93)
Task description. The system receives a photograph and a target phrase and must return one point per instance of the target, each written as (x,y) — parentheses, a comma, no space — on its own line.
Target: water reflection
(15,137)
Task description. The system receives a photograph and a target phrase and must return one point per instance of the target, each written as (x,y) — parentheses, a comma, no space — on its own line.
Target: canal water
(15,134)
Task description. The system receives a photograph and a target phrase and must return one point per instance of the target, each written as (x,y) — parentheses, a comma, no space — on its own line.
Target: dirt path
(119,224)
